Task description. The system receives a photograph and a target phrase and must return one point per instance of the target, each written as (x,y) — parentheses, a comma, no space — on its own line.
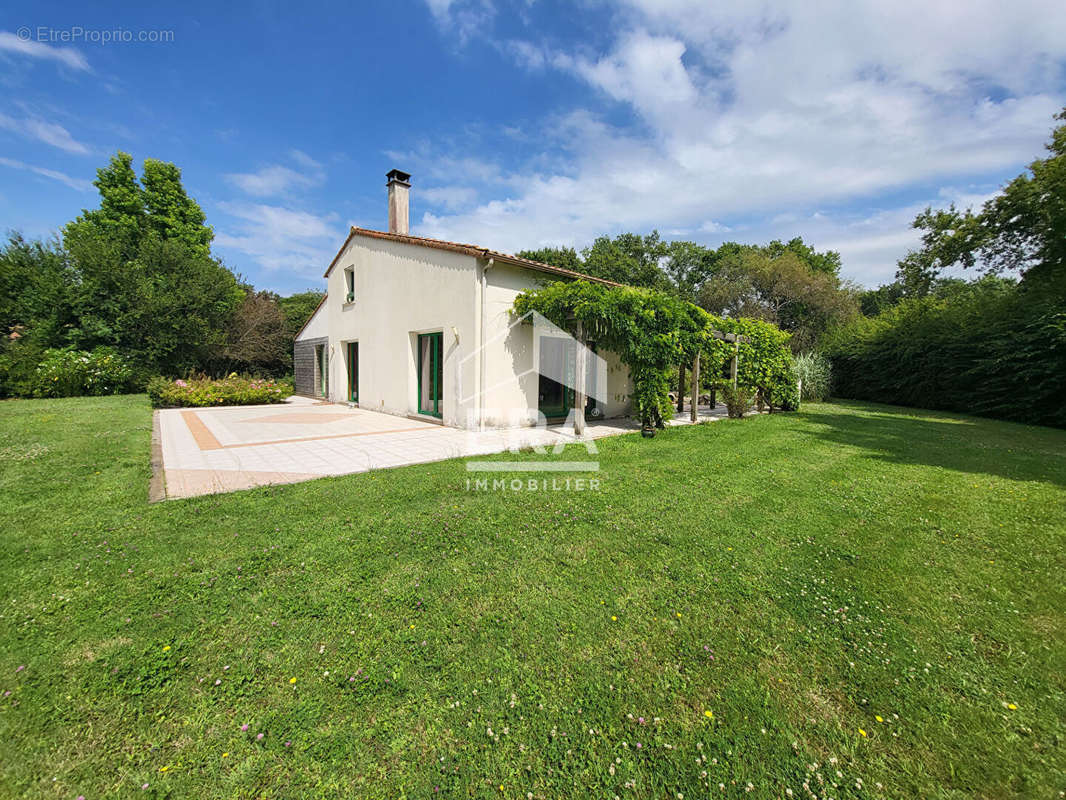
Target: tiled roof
(467,249)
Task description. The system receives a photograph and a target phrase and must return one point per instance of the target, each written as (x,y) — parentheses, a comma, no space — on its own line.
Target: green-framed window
(431,374)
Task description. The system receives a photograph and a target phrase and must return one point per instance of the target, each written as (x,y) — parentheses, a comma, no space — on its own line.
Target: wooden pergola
(581,367)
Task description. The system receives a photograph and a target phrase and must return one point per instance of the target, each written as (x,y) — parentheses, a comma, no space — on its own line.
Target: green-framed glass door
(558,356)
(353,372)
(323,370)
(431,374)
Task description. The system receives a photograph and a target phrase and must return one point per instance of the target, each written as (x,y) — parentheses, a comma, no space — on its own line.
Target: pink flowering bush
(201,392)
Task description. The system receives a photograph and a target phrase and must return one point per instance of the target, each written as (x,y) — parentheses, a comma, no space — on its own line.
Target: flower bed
(232,390)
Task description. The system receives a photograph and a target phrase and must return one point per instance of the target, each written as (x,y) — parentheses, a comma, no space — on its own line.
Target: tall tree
(257,340)
(297,309)
(565,257)
(628,258)
(777,283)
(1022,229)
(688,266)
(120,219)
(827,262)
(171,213)
(145,278)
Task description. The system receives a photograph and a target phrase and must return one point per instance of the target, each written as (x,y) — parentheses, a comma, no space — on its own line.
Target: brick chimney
(399,189)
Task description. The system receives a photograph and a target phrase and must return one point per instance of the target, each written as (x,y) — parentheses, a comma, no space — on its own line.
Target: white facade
(404,287)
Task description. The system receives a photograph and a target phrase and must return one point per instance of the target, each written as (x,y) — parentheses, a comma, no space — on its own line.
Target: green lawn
(869,600)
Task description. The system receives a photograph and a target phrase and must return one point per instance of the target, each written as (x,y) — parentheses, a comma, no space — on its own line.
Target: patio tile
(212,450)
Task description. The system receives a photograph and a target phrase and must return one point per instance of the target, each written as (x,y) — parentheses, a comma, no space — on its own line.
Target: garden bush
(737,401)
(233,390)
(995,349)
(816,374)
(72,373)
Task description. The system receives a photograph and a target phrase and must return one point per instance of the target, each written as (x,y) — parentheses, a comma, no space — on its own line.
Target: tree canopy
(135,277)
(1022,229)
(789,284)
(145,281)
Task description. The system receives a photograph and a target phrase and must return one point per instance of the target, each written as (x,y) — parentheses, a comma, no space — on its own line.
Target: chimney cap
(398,176)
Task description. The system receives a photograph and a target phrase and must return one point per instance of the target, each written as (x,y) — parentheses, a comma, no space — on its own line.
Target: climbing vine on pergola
(653,332)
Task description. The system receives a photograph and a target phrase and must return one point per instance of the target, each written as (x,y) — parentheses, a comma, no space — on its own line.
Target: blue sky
(529,123)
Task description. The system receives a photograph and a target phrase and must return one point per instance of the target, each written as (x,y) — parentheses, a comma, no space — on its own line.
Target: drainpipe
(481,344)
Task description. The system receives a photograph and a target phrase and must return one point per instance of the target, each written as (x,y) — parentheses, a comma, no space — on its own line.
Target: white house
(423,328)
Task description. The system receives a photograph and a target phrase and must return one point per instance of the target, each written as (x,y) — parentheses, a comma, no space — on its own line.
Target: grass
(868,600)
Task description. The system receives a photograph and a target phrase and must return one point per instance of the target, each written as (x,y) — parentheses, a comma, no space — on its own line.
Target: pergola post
(733,363)
(680,388)
(694,411)
(580,368)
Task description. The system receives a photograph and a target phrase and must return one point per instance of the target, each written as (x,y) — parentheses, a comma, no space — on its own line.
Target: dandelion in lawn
(1012,707)
(614,619)
(862,733)
(225,755)
(709,714)
(878,718)
(292,680)
(679,615)
(166,647)
(164,768)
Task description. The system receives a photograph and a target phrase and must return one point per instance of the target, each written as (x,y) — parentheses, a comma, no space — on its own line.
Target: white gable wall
(401,290)
(317,326)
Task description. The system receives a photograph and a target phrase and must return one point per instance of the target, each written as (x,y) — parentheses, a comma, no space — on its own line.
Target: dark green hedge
(997,350)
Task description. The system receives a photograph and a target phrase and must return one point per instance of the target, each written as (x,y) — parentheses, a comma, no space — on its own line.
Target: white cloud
(79,184)
(304,160)
(462,18)
(277,178)
(11,43)
(279,238)
(47,132)
(450,197)
(747,114)
(710,226)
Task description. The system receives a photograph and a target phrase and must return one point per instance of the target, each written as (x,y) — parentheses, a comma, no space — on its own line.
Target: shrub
(994,349)
(737,401)
(201,392)
(72,373)
(815,372)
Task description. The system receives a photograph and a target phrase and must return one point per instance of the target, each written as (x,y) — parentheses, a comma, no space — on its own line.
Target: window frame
(349,284)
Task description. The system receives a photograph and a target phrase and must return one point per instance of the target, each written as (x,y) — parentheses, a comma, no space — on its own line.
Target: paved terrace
(212,450)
